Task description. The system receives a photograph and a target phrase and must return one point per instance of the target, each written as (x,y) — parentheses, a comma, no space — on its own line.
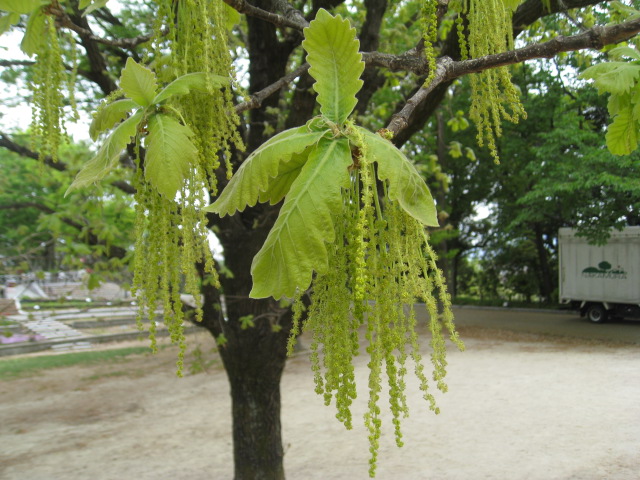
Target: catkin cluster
(172,234)
(379,268)
(47,86)
(429,24)
(494,98)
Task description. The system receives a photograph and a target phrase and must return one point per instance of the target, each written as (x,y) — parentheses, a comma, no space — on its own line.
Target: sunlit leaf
(406,186)
(233,16)
(622,134)
(336,64)
(110,115)
(93,6)
(138,83)
(253,178)
(287,173)
(21,6)
(33,35)
(197,82)
(7,20)
(170,153)
(108,154)
(296,245)
(624,51)
(613,77)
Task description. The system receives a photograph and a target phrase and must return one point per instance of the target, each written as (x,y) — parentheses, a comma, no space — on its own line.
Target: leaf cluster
(620,79)
(146,110)
(309,166)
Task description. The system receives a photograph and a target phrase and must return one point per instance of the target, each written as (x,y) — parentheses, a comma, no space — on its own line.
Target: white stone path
(54,330)
(49,324)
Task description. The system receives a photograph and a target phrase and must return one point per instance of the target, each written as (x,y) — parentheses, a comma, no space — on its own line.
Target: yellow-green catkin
(380,266)
(494,98)
(172,234)
(198,42)
(429,24)
(47,85)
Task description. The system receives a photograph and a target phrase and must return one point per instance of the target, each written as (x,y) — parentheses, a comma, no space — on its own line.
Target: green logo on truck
(605,270)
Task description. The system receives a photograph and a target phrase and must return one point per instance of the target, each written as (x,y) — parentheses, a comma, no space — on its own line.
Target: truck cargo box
(609,274)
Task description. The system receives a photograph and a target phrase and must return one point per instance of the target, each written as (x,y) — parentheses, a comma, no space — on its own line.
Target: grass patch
(28,304)
(117,373)
(20,367)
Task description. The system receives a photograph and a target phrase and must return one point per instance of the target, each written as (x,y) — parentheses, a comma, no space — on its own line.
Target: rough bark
(254,357)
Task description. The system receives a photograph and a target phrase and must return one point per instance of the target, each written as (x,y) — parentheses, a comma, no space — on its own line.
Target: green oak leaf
(406,186)
(91,6)
(110,115)
(635,102)
(233,17)
(21,6)
(336,64)
(109,153)
(258,170)
(280,185)
(170,154)
(613,77)
(622,134)
(190,82)
(295,246)
(6,21)
(617,103)
(138,83)
(33,35)
(511,4)
(624,51)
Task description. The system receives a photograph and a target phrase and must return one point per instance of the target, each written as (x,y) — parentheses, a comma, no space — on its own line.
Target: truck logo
(605,270)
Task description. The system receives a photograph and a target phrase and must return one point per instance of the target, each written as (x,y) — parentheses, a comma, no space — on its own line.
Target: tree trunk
(257,440)
(255,394)
(253,351)
(254,358)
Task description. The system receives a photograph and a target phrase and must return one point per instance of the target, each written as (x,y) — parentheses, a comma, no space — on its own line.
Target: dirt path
(518,407)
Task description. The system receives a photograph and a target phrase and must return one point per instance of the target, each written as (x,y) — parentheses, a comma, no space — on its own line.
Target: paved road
(553,323)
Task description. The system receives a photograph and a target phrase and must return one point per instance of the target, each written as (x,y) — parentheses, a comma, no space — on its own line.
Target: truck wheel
(596,313)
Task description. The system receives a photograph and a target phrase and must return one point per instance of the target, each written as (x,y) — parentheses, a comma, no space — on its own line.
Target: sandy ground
(519,406)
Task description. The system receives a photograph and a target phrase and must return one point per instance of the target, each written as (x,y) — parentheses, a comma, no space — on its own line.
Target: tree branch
(255,100)
(92,238)
(292,18)
(65,21)
(447,69)
(29,63)
(414,62)
(14,147)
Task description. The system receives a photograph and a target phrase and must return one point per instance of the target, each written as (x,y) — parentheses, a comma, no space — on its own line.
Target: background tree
(400,54)
(41,230)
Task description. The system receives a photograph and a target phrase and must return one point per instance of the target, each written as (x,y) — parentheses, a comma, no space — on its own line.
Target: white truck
(601,282)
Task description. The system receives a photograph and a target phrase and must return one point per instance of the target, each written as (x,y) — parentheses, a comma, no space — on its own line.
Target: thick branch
(14,147)
(595,38)
(292,18)
(527,13)
(65,21)
(447,69)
